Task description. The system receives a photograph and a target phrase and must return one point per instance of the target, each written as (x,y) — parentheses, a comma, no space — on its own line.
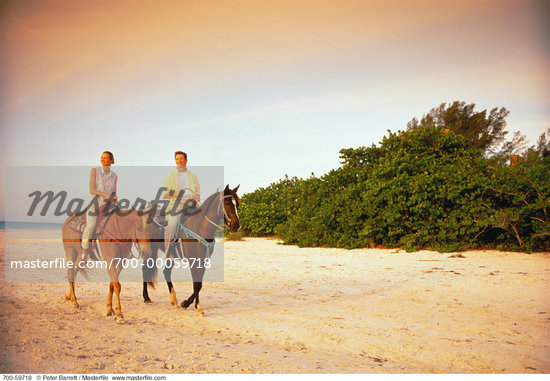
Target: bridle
(226,216)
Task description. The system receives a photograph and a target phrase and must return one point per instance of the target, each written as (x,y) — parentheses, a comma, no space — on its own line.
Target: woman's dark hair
(111,156)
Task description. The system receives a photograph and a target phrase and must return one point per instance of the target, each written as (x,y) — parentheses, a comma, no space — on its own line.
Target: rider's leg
(170,230)
(91,220)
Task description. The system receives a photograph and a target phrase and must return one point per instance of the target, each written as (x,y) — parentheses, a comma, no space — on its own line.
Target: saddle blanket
(78,221)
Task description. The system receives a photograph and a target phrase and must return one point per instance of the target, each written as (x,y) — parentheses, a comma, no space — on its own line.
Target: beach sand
(282,309)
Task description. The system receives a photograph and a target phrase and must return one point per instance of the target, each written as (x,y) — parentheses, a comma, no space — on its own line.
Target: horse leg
(191,299)
(168,277)
(186,303)
(172,291)
(114,273)
(145,294)
(197,275)
(110,311)
(148,272)
(71,275)
(194,298)
(70,295)
(118,308)
(196,289)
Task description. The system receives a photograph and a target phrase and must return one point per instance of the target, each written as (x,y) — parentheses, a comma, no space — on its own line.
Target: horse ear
(226,188)
(235,190)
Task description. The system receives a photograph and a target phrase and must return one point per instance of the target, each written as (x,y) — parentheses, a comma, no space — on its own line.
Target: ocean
(29,225)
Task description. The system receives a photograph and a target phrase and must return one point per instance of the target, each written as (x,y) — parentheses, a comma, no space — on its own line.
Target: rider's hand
(107,196)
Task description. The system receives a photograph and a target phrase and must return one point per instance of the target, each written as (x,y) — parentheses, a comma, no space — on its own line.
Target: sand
(282,309)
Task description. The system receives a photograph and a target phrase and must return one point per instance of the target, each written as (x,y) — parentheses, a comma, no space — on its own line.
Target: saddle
(160,221)
(78,223)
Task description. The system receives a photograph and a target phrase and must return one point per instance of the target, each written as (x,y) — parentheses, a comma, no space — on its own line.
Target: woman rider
(102,187)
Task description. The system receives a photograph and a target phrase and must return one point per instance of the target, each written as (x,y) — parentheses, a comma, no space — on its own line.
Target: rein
(209,245)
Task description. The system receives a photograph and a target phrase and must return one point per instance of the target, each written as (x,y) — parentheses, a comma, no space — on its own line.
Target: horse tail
(150,269)
(150,275)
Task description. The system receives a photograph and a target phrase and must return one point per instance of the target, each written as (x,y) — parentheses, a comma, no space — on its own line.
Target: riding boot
(94,255)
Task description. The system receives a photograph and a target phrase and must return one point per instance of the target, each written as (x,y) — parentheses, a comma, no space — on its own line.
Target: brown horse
(122,229)
(201,227)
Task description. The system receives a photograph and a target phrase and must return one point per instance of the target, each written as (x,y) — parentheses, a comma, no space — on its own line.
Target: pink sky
(145,78)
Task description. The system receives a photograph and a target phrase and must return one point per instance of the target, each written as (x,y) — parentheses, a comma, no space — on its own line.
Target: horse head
(231,202)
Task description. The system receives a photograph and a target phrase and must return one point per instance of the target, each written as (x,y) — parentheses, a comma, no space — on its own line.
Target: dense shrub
(424,188)
(518,200)
(262,210)
(424,192)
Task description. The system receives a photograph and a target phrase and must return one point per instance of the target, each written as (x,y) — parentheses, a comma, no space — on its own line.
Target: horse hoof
(119,320)
(76,306)
(199,312)
(185,304)
(147,301)
(110,313)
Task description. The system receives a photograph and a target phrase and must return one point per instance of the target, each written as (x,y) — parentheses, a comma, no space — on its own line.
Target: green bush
(264,209)
(518,201)
(424,188)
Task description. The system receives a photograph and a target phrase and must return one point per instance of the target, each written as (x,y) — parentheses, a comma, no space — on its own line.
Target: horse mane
(208,202)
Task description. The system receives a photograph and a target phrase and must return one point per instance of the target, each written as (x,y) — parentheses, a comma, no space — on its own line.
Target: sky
(263,88)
